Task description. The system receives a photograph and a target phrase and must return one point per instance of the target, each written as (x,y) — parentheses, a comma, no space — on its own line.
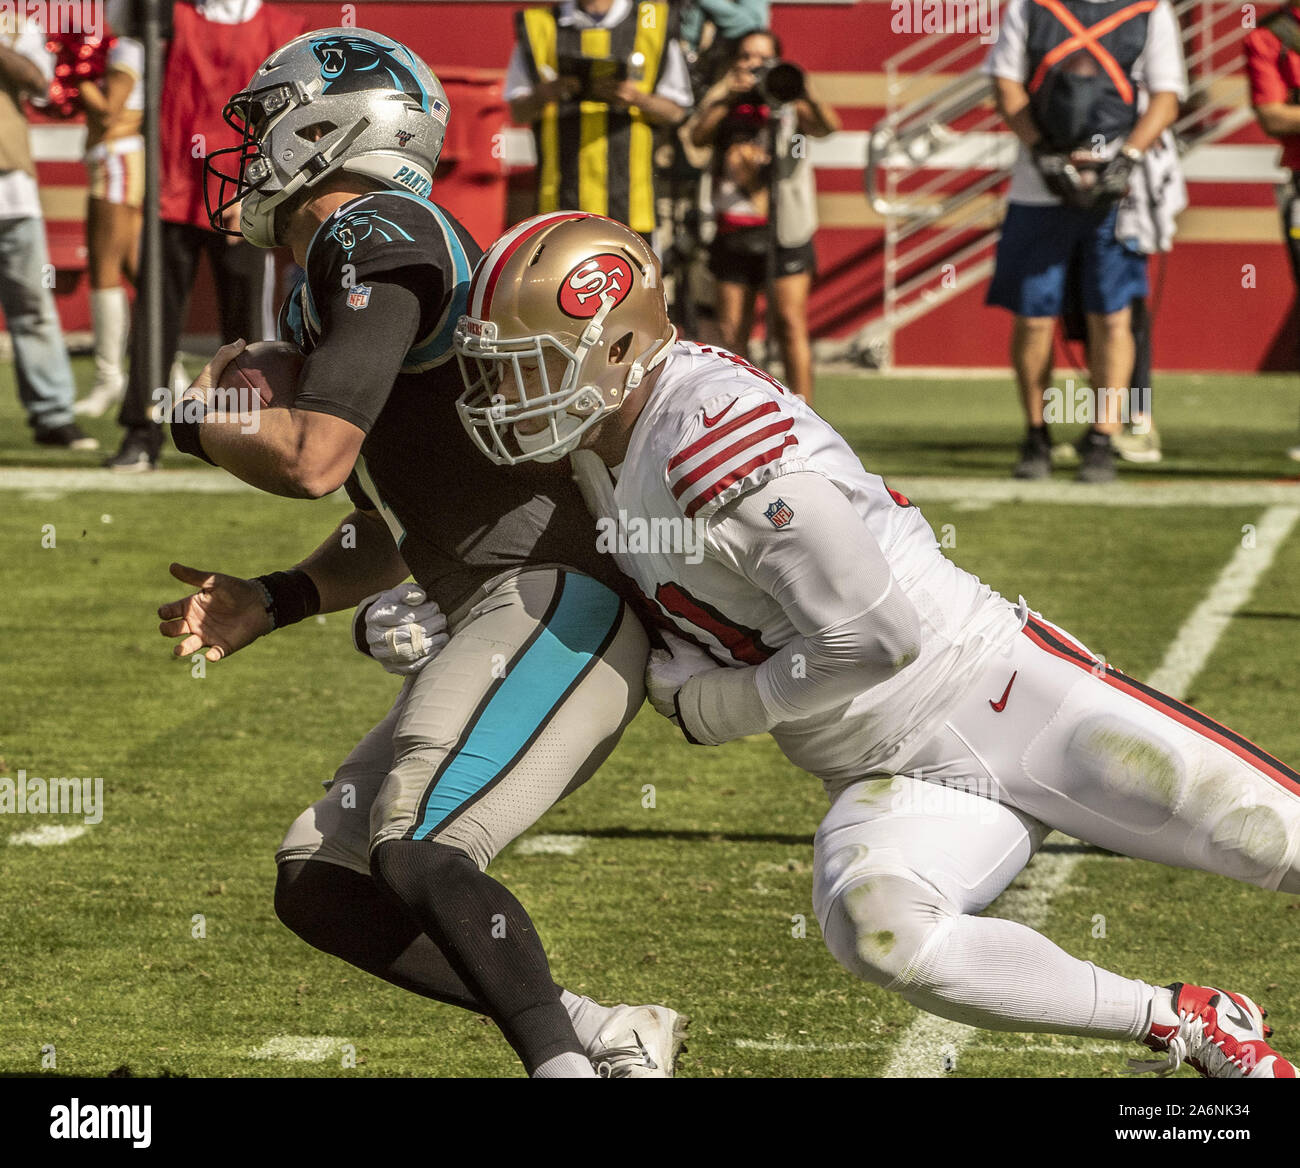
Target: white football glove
(669,669)
(400,628)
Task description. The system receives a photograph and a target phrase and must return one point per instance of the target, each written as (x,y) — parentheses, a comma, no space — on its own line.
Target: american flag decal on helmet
(438,110)
(727,454)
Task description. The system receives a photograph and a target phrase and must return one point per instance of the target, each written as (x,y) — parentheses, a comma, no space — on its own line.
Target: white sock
(108,320)
(587,1016)
(1001,975)
(566,1066)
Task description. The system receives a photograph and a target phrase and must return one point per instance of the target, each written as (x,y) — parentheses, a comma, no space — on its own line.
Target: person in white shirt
(1068,78)
(45,385)
(797,594)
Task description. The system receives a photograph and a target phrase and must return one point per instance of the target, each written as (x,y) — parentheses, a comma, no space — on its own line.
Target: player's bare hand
(212,371)
(224,615)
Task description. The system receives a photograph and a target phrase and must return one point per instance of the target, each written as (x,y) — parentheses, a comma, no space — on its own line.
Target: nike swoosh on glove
(400,628)
(669,669)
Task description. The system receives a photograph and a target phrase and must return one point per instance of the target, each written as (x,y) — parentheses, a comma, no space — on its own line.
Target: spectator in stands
(1071,97)
(736,120)
(1273,65)
(214,48)
(115,184)
(45,385)
(594,78)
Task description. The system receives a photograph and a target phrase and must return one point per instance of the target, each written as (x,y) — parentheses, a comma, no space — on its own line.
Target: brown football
(269,367)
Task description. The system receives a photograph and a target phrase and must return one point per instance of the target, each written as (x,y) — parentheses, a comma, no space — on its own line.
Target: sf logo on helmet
(585,288)
(350,64)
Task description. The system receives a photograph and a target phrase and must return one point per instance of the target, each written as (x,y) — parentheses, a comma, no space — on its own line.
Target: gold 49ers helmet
(566,314)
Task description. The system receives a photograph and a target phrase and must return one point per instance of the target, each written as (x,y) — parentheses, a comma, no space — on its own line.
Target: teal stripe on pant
(583,620)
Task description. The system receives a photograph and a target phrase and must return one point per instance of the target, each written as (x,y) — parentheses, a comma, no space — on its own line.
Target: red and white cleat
(1222,1035)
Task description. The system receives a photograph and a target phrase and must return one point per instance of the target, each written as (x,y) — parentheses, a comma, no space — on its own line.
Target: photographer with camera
(593,78)
(757,119)
(1068,76)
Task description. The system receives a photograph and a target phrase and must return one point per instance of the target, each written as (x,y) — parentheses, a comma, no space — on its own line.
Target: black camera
(779,82)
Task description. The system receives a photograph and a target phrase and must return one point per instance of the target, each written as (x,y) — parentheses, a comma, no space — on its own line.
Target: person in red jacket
(1273,66)
(208,58)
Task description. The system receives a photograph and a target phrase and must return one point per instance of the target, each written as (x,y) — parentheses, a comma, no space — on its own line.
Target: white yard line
(51,835)
(968,493)
(1128,492)
(299,1048)
(1067,1047)
(1201,631)
(932,1044)
(551,845)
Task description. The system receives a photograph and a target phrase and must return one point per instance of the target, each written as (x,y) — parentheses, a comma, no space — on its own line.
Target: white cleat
(638,1042)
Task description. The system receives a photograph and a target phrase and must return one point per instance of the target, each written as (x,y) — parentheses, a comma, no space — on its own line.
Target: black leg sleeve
(352,917)
(487,938)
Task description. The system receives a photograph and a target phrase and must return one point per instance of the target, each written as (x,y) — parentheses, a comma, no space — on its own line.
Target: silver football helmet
(329,100)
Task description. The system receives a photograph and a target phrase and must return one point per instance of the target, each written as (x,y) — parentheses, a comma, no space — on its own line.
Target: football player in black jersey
(544,665)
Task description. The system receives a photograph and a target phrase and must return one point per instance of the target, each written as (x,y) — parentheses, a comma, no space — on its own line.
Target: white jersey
(715,429)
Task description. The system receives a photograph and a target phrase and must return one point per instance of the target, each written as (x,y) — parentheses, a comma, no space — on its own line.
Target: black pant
(1291,225)
(238,269)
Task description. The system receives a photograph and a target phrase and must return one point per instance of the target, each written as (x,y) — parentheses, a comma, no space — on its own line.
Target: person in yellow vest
(594,78)
(45,385)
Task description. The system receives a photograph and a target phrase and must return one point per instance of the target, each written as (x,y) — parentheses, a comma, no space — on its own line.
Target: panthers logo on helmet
(351,64)
(584,289)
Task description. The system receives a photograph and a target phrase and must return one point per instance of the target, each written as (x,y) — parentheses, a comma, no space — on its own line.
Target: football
(269,367)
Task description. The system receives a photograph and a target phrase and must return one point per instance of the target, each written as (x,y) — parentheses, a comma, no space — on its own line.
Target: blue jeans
(45,385)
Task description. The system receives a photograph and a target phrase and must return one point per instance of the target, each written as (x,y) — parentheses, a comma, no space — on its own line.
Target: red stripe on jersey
(1050,641)
(744,644)
(701,444)
(736,475)
(729,454)
(492,276)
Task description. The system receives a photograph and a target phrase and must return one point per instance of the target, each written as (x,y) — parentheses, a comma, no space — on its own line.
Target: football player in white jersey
(799,595)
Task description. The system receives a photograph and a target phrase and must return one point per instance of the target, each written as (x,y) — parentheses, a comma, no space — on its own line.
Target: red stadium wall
(1206,318)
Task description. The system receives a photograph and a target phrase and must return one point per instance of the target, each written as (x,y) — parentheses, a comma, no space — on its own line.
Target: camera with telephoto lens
(777,83)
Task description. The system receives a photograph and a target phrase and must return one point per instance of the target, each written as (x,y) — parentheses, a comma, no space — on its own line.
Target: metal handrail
(913,130)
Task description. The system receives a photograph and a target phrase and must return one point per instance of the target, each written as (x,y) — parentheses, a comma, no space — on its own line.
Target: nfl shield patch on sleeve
(779,513)
(359,296)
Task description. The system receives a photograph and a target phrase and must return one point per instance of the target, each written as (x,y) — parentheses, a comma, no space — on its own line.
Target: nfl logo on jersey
(359,297)
(779,513)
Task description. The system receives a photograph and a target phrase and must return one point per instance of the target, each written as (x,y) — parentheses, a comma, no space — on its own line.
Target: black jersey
(379,262)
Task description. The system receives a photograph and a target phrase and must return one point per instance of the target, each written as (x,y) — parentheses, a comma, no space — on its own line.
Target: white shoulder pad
(735,441)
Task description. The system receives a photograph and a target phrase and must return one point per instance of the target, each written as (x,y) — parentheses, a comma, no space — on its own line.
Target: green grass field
(692,902)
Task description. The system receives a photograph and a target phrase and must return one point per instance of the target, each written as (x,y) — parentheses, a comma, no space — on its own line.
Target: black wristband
(294,596)
(359,641)
(185,434)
